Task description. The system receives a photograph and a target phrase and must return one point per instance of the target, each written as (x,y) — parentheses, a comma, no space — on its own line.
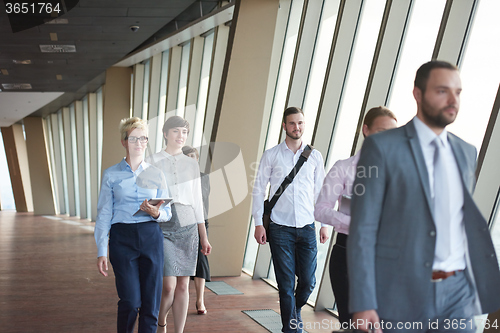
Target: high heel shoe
(201,312)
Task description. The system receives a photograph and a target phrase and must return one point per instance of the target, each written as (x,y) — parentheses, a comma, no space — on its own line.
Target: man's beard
(439,120)
(294,136)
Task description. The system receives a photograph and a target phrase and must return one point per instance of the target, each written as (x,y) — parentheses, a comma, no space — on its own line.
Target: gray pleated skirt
(180,242)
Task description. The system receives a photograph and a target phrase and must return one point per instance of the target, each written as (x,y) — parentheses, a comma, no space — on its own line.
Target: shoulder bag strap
(289,179)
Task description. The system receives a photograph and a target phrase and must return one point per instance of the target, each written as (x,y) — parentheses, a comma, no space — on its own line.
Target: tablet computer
(154,202)
(345,205)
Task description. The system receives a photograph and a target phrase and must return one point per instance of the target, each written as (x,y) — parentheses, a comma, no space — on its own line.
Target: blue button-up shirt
(122,192)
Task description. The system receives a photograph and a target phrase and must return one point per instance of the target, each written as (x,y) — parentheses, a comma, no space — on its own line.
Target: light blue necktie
(441,202)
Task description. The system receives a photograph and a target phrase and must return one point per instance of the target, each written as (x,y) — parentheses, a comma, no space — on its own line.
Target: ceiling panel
(100,29)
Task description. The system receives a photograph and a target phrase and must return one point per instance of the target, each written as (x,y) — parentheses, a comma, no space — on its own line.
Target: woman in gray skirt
(187,226)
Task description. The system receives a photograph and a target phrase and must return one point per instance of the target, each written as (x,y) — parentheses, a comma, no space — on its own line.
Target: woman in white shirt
(187,224)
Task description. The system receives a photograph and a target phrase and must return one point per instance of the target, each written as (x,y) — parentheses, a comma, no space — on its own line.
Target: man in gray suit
(420,255)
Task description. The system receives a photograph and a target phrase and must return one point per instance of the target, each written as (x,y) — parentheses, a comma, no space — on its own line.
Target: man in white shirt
(292,231)
(419,253)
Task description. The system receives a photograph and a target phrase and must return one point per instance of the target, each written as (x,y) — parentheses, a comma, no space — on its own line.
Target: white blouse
(183,178)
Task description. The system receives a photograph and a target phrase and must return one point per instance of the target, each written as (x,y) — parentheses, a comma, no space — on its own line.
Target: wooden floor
(49,283)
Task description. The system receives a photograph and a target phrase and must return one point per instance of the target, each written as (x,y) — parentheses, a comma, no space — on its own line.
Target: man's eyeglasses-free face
(133,139)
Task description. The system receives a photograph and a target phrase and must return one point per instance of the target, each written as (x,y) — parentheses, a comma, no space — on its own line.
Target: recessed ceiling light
(22,62)
(4,71)
(59,77)
(57,48)
(24,86)
(53,36)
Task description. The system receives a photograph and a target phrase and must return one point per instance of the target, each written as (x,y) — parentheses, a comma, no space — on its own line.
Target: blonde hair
(129,124)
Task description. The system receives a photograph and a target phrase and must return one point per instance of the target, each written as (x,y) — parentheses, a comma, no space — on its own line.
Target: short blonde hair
(129,124)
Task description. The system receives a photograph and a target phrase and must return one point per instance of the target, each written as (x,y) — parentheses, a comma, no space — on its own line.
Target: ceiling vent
(17,86)
(57,48)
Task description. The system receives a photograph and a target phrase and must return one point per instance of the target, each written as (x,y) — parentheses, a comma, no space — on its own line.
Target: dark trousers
(136,253)
(338,278)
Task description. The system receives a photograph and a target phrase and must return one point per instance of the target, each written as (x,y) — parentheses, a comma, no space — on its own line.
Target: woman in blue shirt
(128,222)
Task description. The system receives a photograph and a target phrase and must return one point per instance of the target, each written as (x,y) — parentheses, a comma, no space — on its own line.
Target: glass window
(64,165)
(86,154)
(183,79)
(52,162)
(251,249)
(480,73)
(6,194)
(203,91)
(272,275)
(163,99)
(359,69)
(74,158)
(495,228)
(285,70)
(100,105)
(131,94)
(319,64)
(145,91)
(417,49)
(321,261)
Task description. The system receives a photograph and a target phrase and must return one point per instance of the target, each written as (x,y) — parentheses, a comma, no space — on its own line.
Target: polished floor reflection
(49,283)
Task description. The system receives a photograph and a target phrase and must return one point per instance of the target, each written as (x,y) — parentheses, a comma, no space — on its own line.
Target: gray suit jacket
(392,238)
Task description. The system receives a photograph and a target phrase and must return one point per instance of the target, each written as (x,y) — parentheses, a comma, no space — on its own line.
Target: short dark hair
(172,122)
(379,111)
(291,110)
(424,71)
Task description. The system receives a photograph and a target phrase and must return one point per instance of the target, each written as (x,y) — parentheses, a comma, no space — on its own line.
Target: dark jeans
(338,278)
(136,253)
(294,252)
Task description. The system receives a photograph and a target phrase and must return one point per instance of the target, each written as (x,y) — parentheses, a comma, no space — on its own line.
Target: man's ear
(124,143)
(417,93)
(284,127)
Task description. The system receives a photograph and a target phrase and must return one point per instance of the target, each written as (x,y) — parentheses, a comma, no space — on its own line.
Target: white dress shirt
(456,260)
(183,178)
(295,207)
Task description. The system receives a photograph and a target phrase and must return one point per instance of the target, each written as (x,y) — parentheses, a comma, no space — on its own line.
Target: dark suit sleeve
(366,209)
